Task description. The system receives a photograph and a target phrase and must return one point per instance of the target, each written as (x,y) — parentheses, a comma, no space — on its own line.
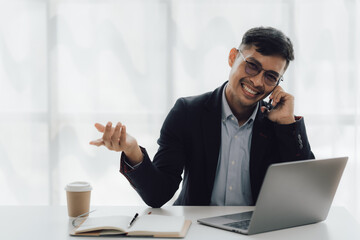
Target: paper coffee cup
(78,198)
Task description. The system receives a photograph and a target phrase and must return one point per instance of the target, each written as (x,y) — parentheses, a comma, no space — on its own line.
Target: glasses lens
(270,79)
(252,68)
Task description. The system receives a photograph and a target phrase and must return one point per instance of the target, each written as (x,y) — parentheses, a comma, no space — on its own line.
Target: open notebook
(146,225)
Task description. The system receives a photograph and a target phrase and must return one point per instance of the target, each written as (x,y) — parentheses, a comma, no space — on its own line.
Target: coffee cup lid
(78,187)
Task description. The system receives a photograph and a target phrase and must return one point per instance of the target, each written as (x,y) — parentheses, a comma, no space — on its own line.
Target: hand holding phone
(280,108)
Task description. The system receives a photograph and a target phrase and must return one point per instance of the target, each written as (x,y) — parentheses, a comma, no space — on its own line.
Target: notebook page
(104,223)
(158,223)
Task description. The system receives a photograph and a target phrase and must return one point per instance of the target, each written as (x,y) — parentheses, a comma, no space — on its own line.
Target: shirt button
(233,162)
(230,188)
(235,136)
(232,118)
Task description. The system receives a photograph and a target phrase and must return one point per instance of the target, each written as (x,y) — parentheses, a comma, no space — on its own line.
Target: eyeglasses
(80,217)
(271,78)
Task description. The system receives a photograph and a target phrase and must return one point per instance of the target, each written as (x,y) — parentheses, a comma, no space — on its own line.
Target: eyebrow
(258,63)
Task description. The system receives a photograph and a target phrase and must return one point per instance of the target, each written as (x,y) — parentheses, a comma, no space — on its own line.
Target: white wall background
(66,64)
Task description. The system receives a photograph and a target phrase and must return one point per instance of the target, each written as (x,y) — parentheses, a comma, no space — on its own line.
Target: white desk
(44,222)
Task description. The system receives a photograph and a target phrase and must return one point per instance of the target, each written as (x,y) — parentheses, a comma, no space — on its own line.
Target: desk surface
(49,222)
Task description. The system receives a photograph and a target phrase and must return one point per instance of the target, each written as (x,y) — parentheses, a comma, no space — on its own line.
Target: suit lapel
(211,130)
(260,138)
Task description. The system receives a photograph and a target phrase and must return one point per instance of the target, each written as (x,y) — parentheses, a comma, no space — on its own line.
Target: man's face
(243,90)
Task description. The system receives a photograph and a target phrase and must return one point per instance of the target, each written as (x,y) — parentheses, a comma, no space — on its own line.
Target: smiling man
(222,141)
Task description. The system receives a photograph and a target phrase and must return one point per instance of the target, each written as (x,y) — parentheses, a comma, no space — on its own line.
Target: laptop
(292,194)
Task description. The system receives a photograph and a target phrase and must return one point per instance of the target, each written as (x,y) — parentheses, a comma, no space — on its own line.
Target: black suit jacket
(190,140)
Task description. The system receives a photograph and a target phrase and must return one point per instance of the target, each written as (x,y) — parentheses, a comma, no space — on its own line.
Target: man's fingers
(116,136)
(107,135)
(98,142)
(275,92)
(123,134)
(112,136)
(100,127)
(275,95)
(283,107)
(278,96)
(264,109)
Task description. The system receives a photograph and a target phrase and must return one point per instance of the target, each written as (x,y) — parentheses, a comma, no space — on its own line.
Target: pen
(133,219)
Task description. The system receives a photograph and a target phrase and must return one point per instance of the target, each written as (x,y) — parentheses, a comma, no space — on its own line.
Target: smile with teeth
(249,90)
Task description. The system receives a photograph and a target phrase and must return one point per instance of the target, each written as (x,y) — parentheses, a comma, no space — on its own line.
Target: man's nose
(257,79)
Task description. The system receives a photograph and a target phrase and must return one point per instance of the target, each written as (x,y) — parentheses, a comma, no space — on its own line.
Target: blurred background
(66,64)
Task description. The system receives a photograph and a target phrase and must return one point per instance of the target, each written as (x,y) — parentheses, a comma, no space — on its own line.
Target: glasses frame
(81,217)
(281,78)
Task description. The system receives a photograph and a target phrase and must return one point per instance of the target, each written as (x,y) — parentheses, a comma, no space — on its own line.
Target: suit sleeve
(157,181)
(293,142)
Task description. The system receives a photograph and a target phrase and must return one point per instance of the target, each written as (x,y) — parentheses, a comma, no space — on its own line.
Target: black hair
(269,42)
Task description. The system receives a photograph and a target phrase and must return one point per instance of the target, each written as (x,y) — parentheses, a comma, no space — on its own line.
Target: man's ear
(232,56)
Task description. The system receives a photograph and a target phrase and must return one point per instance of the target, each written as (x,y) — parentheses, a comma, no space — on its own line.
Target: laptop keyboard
(239,216)
(244,224)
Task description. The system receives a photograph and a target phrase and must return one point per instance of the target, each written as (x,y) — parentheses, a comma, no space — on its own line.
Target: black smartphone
(268,105)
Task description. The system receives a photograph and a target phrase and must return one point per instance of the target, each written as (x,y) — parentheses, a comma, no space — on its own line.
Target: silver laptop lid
(296,193)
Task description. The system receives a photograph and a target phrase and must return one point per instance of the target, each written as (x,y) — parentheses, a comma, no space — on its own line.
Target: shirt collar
(226,111)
